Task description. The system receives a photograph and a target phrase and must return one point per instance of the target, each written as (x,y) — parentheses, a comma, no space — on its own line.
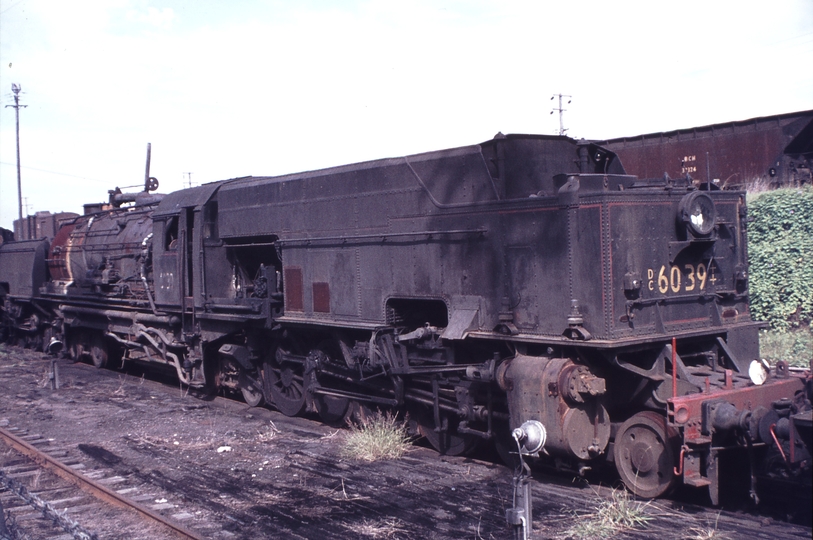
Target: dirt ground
(230,471)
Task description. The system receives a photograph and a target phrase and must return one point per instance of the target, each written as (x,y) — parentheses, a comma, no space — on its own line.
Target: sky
(253,87)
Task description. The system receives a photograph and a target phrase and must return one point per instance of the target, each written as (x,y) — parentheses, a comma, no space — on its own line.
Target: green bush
(780,249)
(795,346)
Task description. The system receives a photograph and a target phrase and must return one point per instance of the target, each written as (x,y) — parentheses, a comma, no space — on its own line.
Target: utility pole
(189,178)
(561,111)
(16,89)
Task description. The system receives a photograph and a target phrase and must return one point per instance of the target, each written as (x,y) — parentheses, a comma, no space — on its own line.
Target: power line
(54,172)
(11,6)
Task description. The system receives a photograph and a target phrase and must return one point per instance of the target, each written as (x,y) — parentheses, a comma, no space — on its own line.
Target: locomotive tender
(524,279)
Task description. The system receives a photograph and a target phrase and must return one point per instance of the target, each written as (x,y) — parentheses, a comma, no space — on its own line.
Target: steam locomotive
(522,285)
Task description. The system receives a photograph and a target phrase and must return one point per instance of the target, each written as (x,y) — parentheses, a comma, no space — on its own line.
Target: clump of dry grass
(610,516)
(384,529)
(757,186)
(120,391)
(45,379)
(377,437)
(267,433)
(707,533)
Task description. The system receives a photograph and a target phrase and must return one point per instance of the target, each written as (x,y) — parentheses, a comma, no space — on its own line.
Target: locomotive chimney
(117,198)
(147,171)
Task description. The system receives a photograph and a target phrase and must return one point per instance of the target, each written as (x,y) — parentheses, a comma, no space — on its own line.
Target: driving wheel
(285,384)
(332,409)
(645,454)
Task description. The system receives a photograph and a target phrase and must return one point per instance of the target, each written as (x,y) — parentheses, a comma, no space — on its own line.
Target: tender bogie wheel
(285,385)
(645,455)
(98,351)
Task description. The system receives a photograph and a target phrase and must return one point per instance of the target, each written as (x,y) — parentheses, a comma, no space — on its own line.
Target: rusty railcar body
(524,279)
(23,269)
(776,150)
(41,225)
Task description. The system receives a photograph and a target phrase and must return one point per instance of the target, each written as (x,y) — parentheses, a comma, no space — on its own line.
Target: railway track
(51,494)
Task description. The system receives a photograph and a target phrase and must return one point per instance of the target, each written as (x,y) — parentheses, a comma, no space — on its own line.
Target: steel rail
(86,484)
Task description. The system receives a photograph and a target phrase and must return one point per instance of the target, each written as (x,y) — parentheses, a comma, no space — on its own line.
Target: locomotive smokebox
(564,396)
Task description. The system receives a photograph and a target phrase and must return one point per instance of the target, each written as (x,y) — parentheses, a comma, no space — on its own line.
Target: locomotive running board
(611,343)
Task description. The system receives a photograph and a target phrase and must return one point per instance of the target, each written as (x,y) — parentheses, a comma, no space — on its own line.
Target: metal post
(519,516)
(147,171)
(708,173)
(562,129)
(530,439)
(3,530)
(54,375)
(674,367)
(16,89)
(17,122)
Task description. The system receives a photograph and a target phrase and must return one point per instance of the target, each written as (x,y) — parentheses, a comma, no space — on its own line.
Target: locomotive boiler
(524,279)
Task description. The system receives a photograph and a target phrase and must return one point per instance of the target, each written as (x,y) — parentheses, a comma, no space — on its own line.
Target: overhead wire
(55,172)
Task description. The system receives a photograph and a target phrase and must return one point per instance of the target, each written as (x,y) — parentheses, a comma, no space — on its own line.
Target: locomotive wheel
(98,351)
(35,342)
(250,388)
(285,384)
(360,413)
(77,345)
(645,455)
(47,335)
(332,410)
(252,395)
(448,442)
(506,447)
